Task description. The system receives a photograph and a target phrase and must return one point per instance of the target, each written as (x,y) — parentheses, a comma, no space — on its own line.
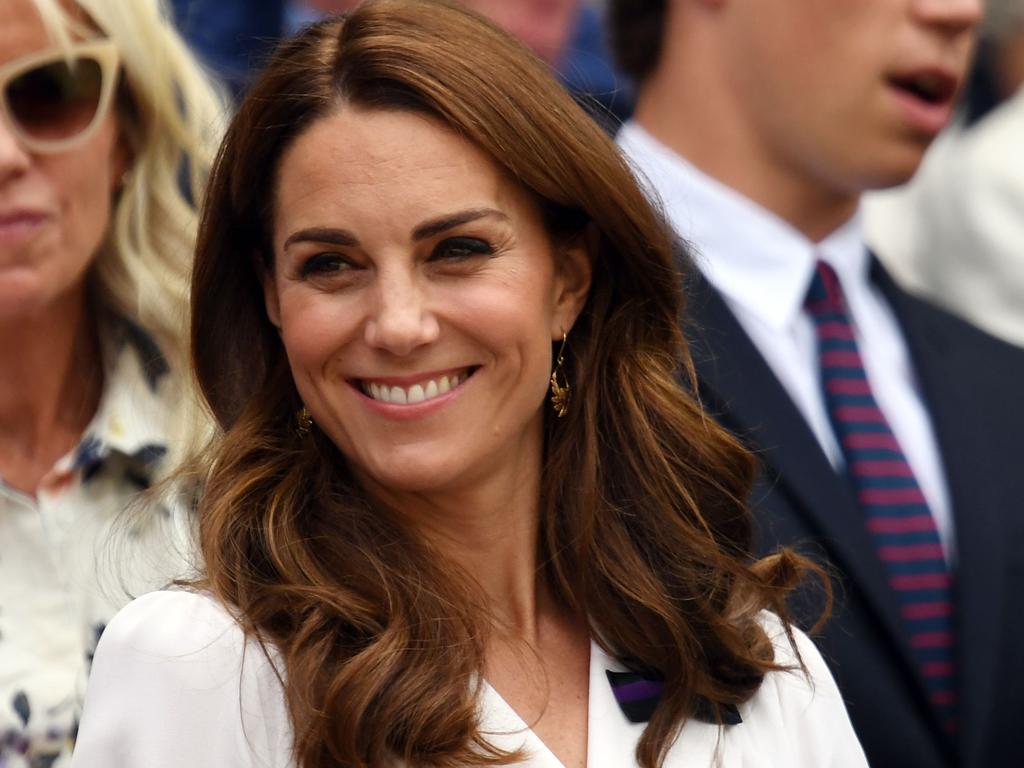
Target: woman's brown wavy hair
(644,527)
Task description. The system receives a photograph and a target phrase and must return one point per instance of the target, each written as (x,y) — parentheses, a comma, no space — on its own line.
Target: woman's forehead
(22,30)
(27,26)
(397,156)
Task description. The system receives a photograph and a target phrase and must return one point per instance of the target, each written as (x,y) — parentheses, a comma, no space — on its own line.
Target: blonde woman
(101,108)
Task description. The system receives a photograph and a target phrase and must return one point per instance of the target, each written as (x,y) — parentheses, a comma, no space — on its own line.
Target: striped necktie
(895,510)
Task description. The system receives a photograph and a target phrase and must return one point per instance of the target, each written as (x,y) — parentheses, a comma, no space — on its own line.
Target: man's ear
(270,298)
(572,281)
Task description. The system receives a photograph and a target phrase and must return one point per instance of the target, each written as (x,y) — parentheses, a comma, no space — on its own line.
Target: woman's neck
(537,654)
(51,377)
(490,529)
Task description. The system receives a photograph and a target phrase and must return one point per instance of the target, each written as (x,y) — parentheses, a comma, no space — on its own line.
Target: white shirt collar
(753,257)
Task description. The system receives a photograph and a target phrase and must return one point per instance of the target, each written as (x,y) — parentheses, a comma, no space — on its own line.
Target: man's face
(849,93)
(545,26)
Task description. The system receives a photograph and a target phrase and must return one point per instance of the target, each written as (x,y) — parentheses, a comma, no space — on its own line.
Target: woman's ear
(572,281)
(122,159)
(128,137)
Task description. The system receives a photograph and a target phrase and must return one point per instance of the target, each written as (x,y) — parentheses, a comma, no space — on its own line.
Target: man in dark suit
(890,432)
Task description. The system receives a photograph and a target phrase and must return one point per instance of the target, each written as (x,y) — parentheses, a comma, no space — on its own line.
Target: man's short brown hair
(635,28)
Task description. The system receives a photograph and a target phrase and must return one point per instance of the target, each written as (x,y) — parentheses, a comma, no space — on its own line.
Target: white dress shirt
(175,683)
(762,267)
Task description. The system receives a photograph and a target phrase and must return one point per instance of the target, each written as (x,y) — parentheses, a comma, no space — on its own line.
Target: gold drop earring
(303,422)
(560,394)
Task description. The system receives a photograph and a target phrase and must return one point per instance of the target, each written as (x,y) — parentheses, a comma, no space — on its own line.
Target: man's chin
(898,169)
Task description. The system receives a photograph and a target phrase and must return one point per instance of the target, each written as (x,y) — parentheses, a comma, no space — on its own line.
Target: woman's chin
(400,476)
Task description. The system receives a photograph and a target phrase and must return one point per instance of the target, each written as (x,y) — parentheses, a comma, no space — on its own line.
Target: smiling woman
(449,288)
(412,556)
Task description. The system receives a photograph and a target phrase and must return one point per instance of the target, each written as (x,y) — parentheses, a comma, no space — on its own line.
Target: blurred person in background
(998,71)
(956,231)
(545,26)
(100,106)
(889,430)
(462,511)
(235,36)
(569,36)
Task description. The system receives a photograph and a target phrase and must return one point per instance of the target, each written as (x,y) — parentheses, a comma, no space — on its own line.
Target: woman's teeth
(417,393)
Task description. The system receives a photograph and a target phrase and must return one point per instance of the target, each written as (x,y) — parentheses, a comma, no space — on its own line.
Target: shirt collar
(753,257)
(131,420)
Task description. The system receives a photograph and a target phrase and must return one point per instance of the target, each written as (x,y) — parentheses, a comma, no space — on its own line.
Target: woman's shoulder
(803,673)
(798,707)
(173,671)
(174,623)
(189,640)
(790,643)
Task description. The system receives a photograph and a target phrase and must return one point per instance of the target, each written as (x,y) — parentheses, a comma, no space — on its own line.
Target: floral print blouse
(71,556)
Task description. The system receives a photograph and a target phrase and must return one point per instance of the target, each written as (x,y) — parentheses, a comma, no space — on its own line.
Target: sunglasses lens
(56,101)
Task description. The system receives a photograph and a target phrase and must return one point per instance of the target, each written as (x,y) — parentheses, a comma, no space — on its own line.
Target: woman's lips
(423,389)
(412,397)
(20,225)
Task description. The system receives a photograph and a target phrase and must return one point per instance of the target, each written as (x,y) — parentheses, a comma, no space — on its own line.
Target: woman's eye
(461,248)
(323,264)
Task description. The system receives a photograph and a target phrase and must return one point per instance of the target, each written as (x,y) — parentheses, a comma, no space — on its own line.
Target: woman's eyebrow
(421,232)
(322,235)
(443,223)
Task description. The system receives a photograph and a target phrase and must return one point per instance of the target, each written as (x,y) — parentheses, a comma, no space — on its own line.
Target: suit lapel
(981,554)
(740,388)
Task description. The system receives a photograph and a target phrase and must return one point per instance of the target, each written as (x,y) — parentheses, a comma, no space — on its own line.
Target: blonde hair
(172,120)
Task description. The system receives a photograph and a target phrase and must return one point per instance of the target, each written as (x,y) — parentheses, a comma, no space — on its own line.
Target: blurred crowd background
(233,37)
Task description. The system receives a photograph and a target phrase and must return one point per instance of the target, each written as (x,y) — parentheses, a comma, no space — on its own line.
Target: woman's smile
(425,387)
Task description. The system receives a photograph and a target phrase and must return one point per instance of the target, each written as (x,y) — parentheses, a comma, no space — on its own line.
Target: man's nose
(956,16)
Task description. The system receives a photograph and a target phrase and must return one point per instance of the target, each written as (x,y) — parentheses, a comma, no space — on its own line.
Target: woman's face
(418,295)
(54,208)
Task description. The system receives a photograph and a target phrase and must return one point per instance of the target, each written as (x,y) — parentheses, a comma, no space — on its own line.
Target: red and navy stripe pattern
(895,510)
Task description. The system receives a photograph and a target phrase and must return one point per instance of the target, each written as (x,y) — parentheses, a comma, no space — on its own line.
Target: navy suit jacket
(973,387)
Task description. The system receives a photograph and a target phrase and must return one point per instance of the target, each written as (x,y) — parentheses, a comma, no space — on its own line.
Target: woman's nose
(14,158)
(401,320)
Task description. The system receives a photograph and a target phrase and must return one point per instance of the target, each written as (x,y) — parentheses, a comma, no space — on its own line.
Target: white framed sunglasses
(55,99)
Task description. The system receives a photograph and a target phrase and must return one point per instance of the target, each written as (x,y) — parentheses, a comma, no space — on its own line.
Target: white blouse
(175,683)
(69,558)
